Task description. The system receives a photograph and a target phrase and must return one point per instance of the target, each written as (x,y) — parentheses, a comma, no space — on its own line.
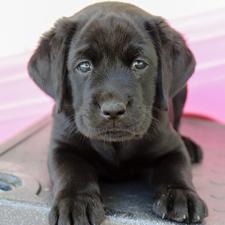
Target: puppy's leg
(175,196)
(178,102)
(178,105)
(77,199)
(194,150)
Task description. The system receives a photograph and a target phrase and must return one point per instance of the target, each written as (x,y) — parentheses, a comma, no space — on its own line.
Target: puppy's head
(114,68)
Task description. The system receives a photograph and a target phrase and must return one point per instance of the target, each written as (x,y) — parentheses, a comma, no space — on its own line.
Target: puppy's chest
(119,154)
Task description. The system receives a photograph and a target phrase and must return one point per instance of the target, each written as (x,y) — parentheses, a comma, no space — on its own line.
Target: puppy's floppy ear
(48,65)
(176,62)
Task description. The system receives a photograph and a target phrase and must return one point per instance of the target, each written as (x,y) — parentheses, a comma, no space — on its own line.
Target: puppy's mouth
(115,135)
(110,131)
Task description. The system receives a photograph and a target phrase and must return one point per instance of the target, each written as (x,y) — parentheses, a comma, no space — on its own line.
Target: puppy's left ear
(48,65)
(176,63)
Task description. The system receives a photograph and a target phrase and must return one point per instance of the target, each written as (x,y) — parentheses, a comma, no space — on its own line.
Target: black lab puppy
(117,75)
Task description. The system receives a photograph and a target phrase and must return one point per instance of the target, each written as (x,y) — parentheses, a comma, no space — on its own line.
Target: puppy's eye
(139,65)
(84,67)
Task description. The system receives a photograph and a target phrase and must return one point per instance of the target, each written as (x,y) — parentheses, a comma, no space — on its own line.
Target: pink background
(22,103)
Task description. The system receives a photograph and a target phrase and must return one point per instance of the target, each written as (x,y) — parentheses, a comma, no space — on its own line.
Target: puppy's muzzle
(113,110)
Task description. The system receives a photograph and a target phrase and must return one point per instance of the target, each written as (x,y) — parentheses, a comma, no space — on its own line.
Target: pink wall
(205,34)
(22,103)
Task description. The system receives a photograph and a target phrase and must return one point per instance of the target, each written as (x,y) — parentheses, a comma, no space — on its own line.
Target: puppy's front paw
(180,205)
(78,209)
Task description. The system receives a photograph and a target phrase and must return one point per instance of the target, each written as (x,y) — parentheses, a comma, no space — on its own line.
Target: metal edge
(202,122)
(17,139)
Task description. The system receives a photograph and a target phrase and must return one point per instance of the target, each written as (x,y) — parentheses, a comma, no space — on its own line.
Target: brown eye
(139,65)
(84,67)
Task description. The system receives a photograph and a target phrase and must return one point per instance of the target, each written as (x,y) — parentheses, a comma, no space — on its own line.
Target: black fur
(115,119)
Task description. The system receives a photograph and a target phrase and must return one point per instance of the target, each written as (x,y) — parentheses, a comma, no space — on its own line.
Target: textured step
(126,203)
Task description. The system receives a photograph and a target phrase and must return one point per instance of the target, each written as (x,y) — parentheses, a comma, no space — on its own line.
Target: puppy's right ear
(176,62)
(48,65)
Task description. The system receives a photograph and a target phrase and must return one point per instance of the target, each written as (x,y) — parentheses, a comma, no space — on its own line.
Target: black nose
(112,110)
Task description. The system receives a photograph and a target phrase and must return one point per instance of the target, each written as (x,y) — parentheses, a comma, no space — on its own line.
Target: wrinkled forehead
(110,37)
